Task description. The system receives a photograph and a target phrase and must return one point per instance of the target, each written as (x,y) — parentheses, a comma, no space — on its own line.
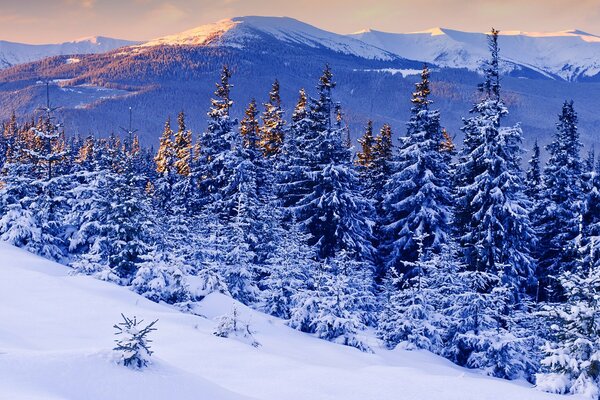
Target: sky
(52,21)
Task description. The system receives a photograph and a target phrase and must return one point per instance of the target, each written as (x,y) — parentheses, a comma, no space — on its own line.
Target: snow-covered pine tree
(559,210)
(273,126)
(365,157)
(216,141)
(290,266)
(182,143)
(165,159)
(292,182)
(572,355)
(410,313)
(240,269)
(491,213)
(534,175)
(334,211)
(417,201)
(33,204)
(90,209)
(483,330)
(240,209)
(381,171)
(590,221)
(334,309)
(131,231)
(133,346)
(161,276)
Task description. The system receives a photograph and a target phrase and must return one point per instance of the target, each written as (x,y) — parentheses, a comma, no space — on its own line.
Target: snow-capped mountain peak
(239,32)
(201,35)
(569,54)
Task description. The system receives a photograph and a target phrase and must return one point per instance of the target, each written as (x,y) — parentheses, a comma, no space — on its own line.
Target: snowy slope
(569,55)
(238,32)
(56,335)
(18,53)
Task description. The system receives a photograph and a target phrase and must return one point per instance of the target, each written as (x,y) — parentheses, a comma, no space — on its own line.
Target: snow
(57,334)
(567,54)
(236,32)
(394,71)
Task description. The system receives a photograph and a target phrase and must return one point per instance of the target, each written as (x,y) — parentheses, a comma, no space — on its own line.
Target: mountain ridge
(14,53)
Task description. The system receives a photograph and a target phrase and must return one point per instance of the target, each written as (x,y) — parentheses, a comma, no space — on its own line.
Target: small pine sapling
(133,345)
(231,325)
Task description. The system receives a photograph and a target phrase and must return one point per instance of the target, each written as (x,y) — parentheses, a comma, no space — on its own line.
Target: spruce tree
(559,209)
(410,314)
(572,354)
(417,201)
(292,182)
(290,266)
(273,126)
(216,141)
(334,211)
(492,211)
(182,144)
(365,157)
(534,175)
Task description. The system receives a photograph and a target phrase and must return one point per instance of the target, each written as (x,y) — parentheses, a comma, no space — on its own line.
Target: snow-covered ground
(56,336)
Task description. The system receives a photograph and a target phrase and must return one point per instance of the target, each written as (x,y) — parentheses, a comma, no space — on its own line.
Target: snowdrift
(56,337)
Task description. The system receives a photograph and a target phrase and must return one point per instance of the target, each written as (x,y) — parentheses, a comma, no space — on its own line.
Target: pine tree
(250,129)
(572,355)
(290,266)
(216,141)
(165,159)
(410,313)
(292,181)
(483,328)
(273,127)
(334,308)
(133,346)
(90,209)
(559,210)
(32,202)
(131,217)
(334,211)
(161,276)
(182,144)
(590,221)
(365,157)
(534,175)
(417,201)
(239,269)
(491,215)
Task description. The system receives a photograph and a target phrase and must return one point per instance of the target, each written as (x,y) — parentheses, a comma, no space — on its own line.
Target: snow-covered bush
(133,347)
(230,325)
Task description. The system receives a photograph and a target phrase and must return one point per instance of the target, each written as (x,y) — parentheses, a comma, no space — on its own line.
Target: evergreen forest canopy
(459,252)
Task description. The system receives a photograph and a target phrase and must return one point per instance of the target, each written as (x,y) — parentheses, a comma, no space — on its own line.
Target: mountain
(161,77)
(18,53)
(57,337)
(241,32)
(571,55)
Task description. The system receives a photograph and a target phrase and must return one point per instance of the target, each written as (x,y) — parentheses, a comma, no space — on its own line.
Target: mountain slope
(18,53)
(570,55)
(56,336)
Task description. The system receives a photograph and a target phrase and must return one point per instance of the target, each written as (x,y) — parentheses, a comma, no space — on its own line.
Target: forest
(465,252)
